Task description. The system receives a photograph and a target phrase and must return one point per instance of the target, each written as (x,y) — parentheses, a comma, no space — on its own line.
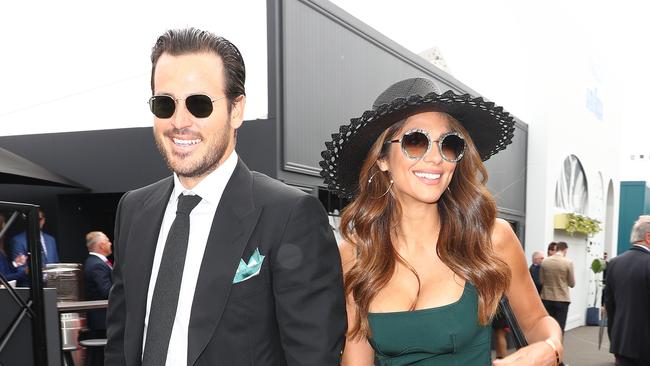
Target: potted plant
(598,265)
(573,222)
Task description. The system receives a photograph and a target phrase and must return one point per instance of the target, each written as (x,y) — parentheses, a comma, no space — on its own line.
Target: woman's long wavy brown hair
(467,213)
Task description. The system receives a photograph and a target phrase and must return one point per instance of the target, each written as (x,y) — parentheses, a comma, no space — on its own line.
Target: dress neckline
(425,310)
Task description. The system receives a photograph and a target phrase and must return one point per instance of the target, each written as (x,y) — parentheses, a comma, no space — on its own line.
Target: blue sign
(594,104)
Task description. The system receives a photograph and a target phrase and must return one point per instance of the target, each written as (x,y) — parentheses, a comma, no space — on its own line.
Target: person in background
(15,270)
(627,299)
(605,270)
(604,284)
(552,249)
(98,273)
(500,331)
(425,258)
(556,276)
(537,259)
(18,243)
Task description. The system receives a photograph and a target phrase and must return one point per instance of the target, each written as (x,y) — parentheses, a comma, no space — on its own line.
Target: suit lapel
(233,223)
(144,231)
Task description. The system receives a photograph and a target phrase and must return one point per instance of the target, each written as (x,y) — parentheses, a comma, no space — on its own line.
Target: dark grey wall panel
(257,145)
(507,174)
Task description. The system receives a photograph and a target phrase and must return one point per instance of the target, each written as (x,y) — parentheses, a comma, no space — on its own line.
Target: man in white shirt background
(98,276)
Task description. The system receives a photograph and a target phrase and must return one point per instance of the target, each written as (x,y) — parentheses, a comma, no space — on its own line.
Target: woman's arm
(542,331)
(357,352)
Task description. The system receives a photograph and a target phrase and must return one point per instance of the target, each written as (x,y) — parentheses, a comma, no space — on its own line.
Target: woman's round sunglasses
(416,144)
(164,106)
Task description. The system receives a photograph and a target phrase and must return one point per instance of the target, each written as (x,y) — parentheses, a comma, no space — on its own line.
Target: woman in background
(425,259)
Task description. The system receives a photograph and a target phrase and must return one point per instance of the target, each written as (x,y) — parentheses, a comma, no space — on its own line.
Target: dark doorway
(80,214)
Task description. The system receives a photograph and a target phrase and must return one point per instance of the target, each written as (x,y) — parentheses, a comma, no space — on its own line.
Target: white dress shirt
(210,190)
(43,245)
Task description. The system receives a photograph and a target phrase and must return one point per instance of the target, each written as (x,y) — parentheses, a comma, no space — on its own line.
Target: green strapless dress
(447,335)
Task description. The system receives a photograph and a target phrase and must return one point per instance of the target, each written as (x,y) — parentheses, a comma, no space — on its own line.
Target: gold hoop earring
(387,190)
(389,186)
(373,176)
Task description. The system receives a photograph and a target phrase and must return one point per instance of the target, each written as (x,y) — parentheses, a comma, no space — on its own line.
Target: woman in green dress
(425,258)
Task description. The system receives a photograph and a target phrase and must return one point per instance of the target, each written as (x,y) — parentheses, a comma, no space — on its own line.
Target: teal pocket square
(250,269)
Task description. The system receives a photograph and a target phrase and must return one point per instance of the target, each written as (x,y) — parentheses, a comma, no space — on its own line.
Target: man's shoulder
(91,261)
(279,200)
(20,237)
(548,261)
(632,254)
(555,263)
(566,260)
(270,190)
(640,252)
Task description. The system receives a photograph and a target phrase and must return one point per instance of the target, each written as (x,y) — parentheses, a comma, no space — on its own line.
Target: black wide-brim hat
(490,127)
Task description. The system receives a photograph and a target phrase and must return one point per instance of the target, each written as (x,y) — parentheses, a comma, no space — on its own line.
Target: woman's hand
(538,354)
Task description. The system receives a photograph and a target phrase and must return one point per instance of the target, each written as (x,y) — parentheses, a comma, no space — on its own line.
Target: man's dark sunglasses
(164,106)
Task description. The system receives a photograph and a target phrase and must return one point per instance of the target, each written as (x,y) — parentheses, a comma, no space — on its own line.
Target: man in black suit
(257,279)
(627,299)
(98,276)
(18,248)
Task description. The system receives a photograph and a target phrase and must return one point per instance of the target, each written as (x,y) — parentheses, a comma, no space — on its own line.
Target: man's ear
(237,112)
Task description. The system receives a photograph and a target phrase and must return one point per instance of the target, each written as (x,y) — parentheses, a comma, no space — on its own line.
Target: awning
(15,169)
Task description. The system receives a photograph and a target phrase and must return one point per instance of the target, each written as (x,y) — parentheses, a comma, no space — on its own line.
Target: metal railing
(34,307)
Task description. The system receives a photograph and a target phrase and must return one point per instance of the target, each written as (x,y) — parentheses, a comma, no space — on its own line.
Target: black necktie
(168,283)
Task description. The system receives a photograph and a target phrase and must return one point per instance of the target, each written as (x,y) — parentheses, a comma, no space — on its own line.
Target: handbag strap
(511,319)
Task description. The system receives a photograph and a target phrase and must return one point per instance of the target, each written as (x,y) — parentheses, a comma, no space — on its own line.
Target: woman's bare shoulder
(504,239)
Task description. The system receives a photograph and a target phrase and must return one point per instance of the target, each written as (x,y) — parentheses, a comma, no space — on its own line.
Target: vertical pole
(36,290)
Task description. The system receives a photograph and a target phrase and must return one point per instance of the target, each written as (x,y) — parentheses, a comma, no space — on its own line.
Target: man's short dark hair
(561,246)
(552,246)
(176,42)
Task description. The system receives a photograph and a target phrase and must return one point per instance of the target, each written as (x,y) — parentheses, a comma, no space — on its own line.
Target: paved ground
(581,348)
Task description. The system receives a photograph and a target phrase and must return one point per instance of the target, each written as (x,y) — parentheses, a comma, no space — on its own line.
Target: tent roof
(15,169)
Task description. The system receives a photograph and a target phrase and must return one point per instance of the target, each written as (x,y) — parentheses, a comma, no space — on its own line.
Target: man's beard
(206,163)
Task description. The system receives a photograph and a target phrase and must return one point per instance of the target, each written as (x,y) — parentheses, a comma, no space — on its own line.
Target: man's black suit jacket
(98,282)
(292,313)
(628,304)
